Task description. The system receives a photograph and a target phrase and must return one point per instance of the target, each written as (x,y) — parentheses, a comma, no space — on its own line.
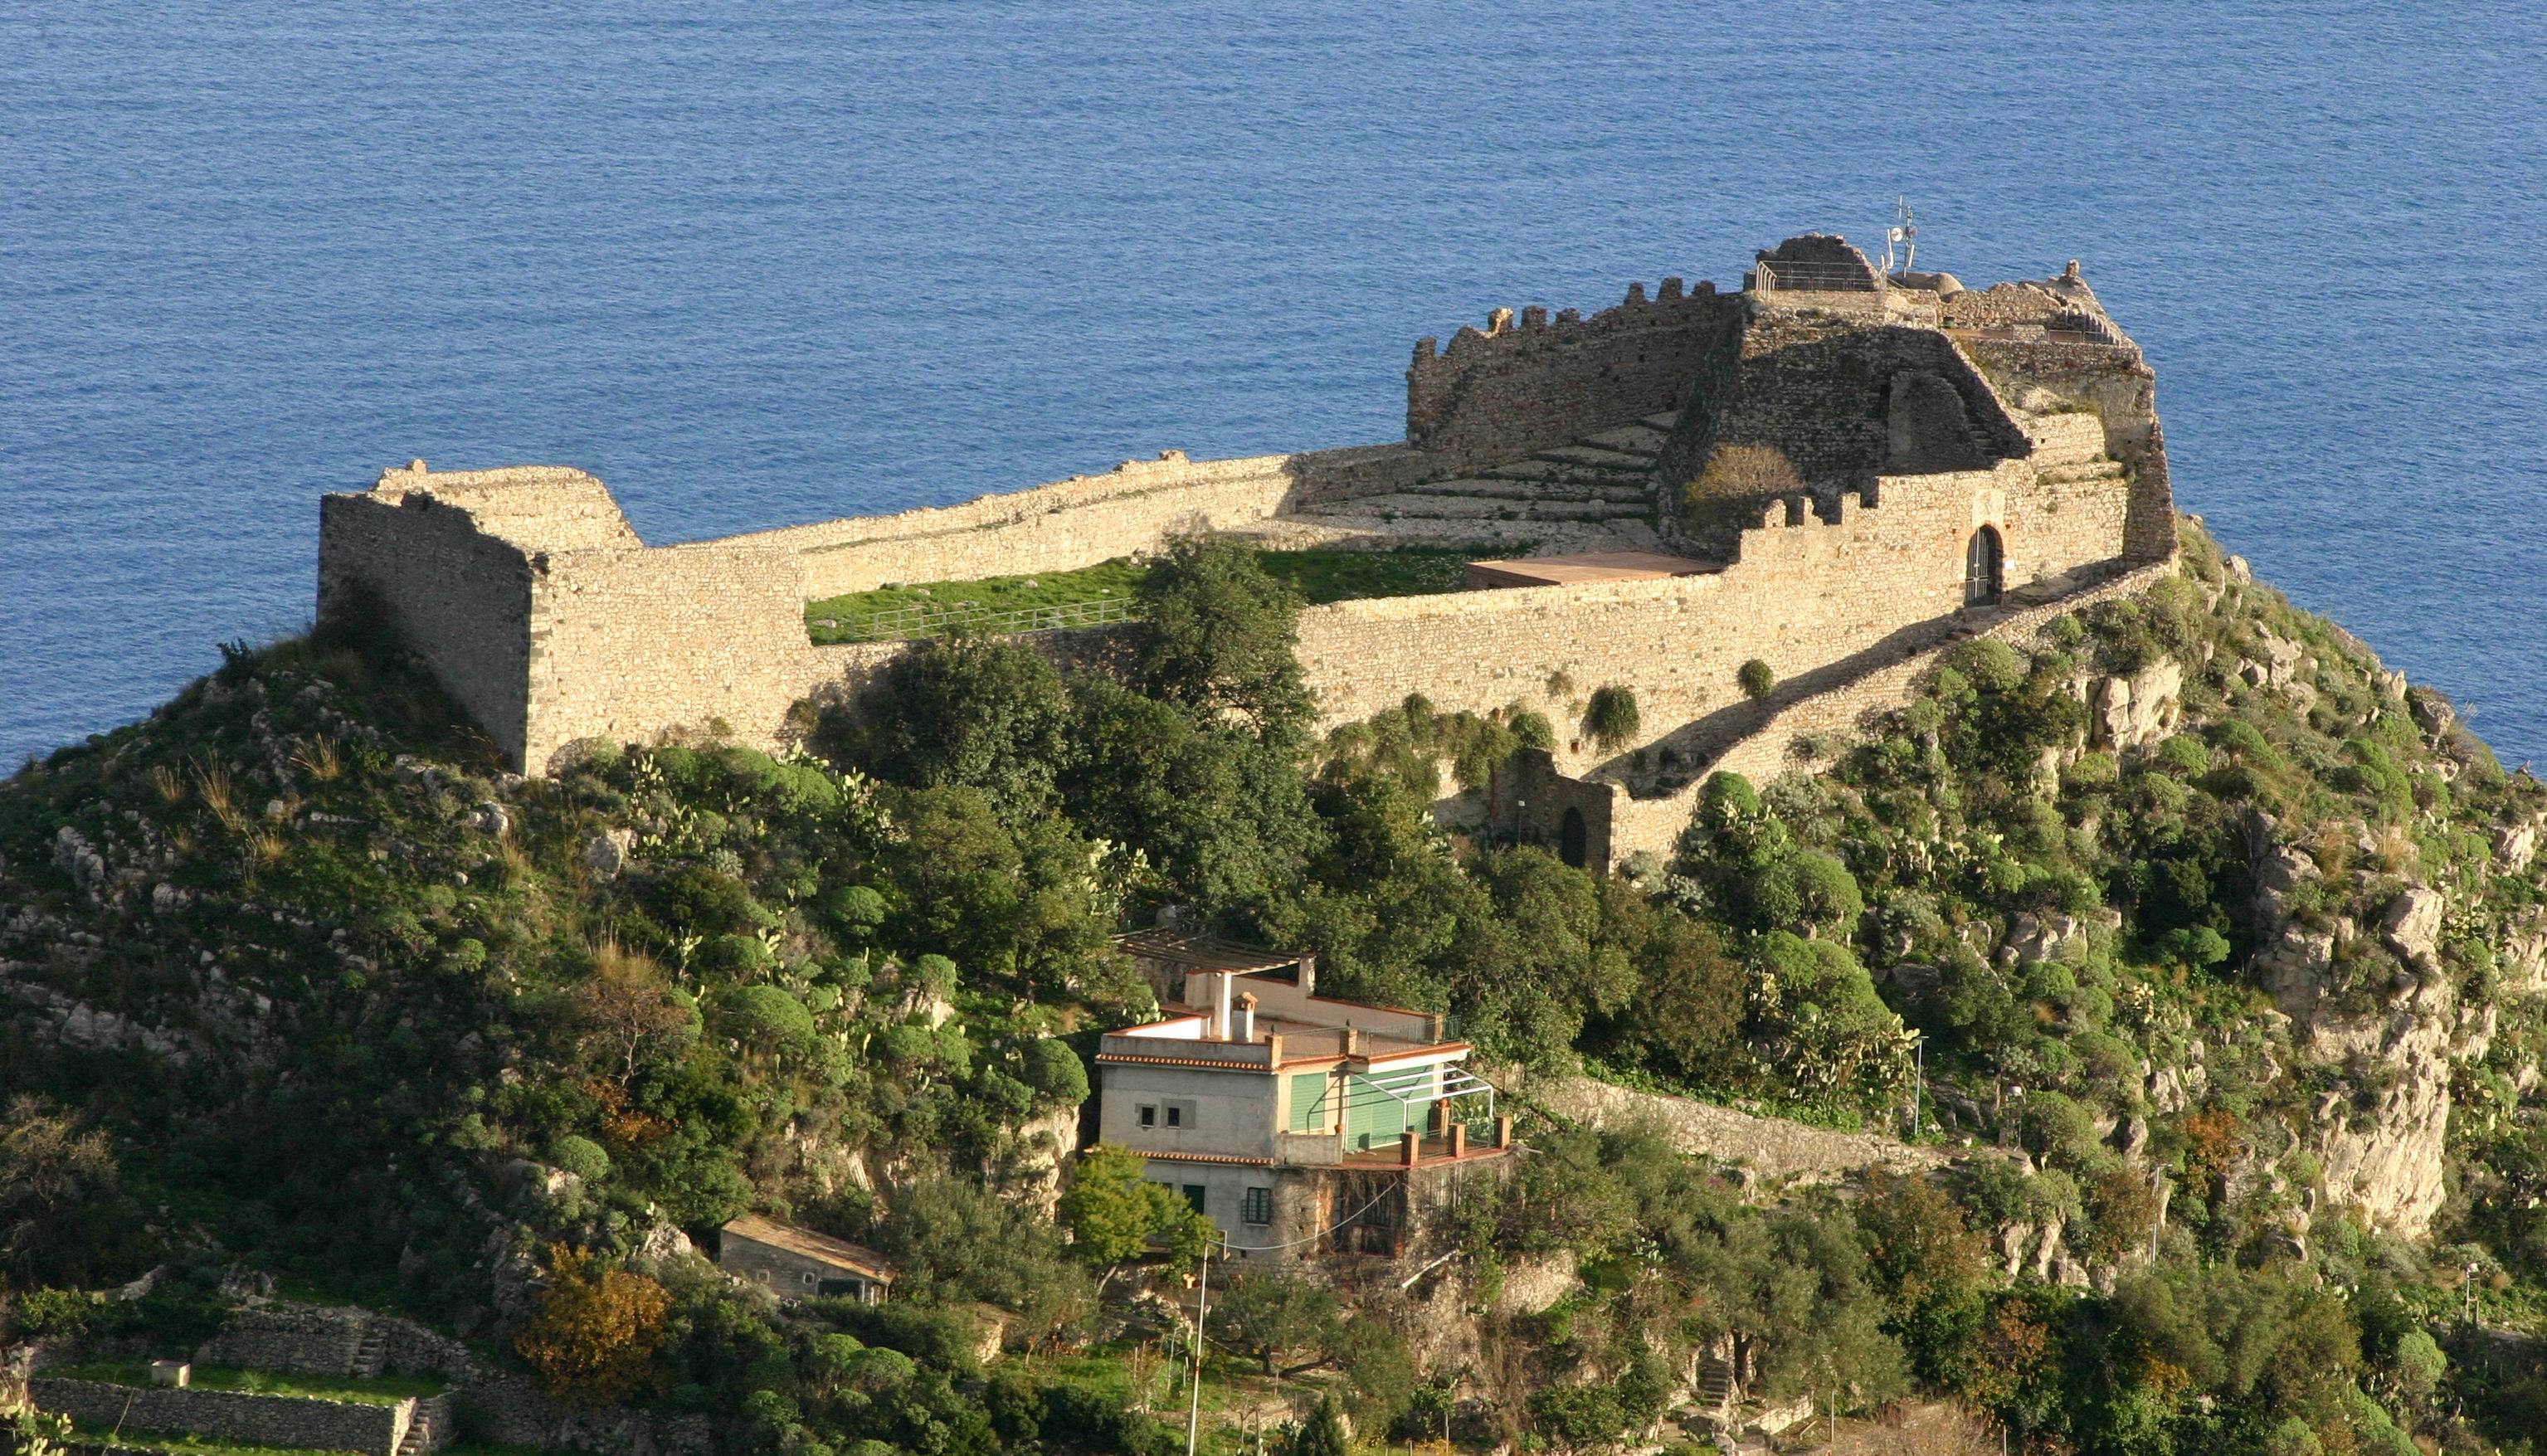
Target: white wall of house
(1193,1109)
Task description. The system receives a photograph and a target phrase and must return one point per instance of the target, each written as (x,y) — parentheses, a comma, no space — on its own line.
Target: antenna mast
(1905,234)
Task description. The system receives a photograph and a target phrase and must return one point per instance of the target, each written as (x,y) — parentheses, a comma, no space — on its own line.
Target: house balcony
(1464,1143)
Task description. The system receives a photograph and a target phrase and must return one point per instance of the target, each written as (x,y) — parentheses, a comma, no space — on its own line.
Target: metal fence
(1815,278)
(912,624)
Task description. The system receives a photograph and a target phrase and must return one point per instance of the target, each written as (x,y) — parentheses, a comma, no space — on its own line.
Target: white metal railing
(1796,276)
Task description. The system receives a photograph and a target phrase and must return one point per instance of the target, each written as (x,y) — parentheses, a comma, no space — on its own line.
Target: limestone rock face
(2130,712)
(606,854)
(2414,927)
(2392,1165)
(2515,845)
(2034,939)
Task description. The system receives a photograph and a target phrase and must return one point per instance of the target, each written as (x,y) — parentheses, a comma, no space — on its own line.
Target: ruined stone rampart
(1491,396)
(549,621)
(1805,592)
(1821,390)
(1079,522)
(1613,823)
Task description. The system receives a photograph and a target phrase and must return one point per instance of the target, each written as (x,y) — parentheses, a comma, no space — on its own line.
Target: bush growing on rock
(1756,678)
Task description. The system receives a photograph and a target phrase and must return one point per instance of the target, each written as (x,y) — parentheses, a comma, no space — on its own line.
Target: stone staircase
(1594,493)
(2070,449)
(419,1432)
(370,1351)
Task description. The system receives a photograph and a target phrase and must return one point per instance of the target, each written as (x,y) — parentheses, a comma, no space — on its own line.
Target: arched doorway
(1570,838)
(1984,568)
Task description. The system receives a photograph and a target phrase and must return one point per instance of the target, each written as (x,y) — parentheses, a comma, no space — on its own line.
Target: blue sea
(768,263)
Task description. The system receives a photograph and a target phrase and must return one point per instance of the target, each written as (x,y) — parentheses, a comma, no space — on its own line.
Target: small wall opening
(1571,838)
(1984,568)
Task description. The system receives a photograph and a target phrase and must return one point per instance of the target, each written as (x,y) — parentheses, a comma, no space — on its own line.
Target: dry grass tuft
(319,759)
(212,783)
(169,781)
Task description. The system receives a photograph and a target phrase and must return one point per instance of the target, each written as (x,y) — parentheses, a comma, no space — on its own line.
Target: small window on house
(1176,1116)
(806,1278)
(1258,1206)
(1194,1195)
(1149,1116)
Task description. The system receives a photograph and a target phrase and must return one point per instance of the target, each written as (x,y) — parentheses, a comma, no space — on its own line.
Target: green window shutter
(1373,1118)
(1308,1102)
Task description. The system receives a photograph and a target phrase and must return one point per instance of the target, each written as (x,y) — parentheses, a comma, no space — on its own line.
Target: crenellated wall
(1541,382)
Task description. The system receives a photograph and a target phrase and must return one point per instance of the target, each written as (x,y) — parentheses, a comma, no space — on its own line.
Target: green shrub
(857,908)
(1532,728)
(765,1019)
(51,1311)
(1612,716)
(1756,678)
(2185,755)
(581,1156)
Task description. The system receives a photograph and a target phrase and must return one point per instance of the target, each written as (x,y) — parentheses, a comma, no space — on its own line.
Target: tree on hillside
(598,1331)
(626,1011)
(1112,1212)
(1221,633)
(64,1217)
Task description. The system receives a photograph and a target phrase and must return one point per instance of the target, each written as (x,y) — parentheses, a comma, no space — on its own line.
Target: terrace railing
(1770,276)
(915,622)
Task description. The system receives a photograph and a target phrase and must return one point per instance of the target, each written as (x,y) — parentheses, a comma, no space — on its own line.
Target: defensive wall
(534,602)
(1600,823)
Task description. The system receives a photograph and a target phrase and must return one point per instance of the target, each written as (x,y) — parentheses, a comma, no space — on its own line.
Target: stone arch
(1984,568)
(1573,839)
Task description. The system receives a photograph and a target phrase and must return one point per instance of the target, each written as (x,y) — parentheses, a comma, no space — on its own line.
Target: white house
(1278,1112)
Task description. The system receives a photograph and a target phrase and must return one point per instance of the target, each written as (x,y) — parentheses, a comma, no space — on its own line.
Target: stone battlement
(2010,432)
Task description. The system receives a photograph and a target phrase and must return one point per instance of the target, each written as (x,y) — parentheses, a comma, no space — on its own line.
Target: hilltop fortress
(1946,462)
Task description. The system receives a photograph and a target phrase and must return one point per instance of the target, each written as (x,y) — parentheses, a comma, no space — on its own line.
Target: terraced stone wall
(1538,384)
(236,1415)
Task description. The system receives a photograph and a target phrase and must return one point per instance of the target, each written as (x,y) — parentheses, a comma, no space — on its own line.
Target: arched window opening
(1570,838)
(1984,568)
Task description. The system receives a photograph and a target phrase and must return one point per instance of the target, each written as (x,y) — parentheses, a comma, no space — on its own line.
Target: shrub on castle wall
(1612,716)
(1757,678)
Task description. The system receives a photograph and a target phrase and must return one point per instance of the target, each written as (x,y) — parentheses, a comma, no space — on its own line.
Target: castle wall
(1077,521)
(1799,597)
(1492,397)
(2118,383)
(1818,389)
(624,642)
(454,595)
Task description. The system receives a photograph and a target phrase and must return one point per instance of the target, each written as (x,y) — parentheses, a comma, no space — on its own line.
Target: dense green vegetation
(371,1014)
(1316,576)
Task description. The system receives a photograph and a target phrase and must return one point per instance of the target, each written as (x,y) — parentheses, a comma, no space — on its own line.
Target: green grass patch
(377,1390)
(1319,576)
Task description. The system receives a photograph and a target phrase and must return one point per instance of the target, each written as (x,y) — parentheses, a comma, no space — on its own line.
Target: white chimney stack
(1247,1017)
(1220,1008)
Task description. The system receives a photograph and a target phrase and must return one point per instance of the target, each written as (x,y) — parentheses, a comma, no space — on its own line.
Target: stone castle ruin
(1882,467)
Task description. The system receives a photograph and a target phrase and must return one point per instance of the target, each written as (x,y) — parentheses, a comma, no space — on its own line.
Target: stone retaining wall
(271,1421)
(1770,1147)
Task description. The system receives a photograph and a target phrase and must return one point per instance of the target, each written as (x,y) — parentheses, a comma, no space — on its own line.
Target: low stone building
(797,1263)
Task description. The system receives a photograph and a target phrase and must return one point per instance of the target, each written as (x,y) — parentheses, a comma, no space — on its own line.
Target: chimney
(1220,1008)
(1309,976)
(1247,1017)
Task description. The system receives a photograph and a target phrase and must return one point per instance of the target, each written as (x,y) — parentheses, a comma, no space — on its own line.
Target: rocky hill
(2210,954)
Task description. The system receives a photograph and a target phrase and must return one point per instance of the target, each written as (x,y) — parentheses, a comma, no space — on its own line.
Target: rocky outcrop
(2138,709)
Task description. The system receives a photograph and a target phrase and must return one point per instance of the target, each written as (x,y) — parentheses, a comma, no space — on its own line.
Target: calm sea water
(766,264)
